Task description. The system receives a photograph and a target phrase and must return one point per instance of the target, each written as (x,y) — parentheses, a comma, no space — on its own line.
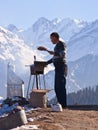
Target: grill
(36,70)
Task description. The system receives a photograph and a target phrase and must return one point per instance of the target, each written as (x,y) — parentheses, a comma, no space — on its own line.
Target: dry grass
(69,119)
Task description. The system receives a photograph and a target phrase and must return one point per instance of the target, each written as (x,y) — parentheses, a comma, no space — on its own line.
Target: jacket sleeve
(49,61)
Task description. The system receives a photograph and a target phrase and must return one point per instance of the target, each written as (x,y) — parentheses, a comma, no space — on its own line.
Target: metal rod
(39,82)
(28,86)
(33,82)
(44,81)
(36,81)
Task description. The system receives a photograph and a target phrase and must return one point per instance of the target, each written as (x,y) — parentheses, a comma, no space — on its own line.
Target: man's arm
(50,52)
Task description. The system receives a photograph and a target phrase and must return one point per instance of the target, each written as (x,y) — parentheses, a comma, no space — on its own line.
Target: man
(59,61)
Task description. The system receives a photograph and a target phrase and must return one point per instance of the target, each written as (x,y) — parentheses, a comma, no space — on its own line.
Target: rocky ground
(72,118)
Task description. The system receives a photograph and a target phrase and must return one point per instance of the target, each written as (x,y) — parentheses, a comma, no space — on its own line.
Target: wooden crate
(38,98)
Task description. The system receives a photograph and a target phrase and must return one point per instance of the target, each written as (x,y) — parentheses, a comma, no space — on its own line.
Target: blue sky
(23,13)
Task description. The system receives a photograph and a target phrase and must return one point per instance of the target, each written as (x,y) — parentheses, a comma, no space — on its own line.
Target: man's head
(54,37)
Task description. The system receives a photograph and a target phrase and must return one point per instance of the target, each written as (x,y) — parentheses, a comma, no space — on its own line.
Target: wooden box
(38,98)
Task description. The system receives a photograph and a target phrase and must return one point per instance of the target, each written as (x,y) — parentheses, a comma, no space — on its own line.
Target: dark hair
(55,34)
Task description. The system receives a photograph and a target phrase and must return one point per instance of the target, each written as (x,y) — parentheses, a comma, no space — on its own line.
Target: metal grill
(36,70)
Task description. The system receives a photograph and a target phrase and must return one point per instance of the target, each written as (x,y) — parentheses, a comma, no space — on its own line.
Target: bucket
(38,98)
(13,120)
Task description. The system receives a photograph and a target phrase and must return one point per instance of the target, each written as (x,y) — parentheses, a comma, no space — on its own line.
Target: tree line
(86,96)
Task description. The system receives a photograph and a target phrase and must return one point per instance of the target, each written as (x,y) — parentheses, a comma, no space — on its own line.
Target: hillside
(69,119)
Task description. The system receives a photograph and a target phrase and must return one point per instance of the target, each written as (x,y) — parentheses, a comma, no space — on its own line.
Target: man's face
(53,39)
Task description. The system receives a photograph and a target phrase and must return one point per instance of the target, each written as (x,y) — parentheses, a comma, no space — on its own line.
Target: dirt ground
(68,119)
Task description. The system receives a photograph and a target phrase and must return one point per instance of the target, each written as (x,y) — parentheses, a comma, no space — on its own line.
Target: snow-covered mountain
(83,43)
(13,50)
(18,47)
(12,28)
(83,54)
(83,73)
(39,32)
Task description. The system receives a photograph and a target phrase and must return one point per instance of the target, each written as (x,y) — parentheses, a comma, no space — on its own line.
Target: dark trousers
(60,83)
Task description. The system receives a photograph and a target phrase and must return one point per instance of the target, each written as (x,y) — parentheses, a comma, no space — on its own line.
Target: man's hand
(42,48)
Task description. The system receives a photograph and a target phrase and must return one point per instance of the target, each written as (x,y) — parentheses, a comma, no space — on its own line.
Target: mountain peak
(41,20)
(56,20)
(12,27)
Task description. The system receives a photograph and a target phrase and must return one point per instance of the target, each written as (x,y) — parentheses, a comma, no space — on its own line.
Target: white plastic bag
(56,107)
